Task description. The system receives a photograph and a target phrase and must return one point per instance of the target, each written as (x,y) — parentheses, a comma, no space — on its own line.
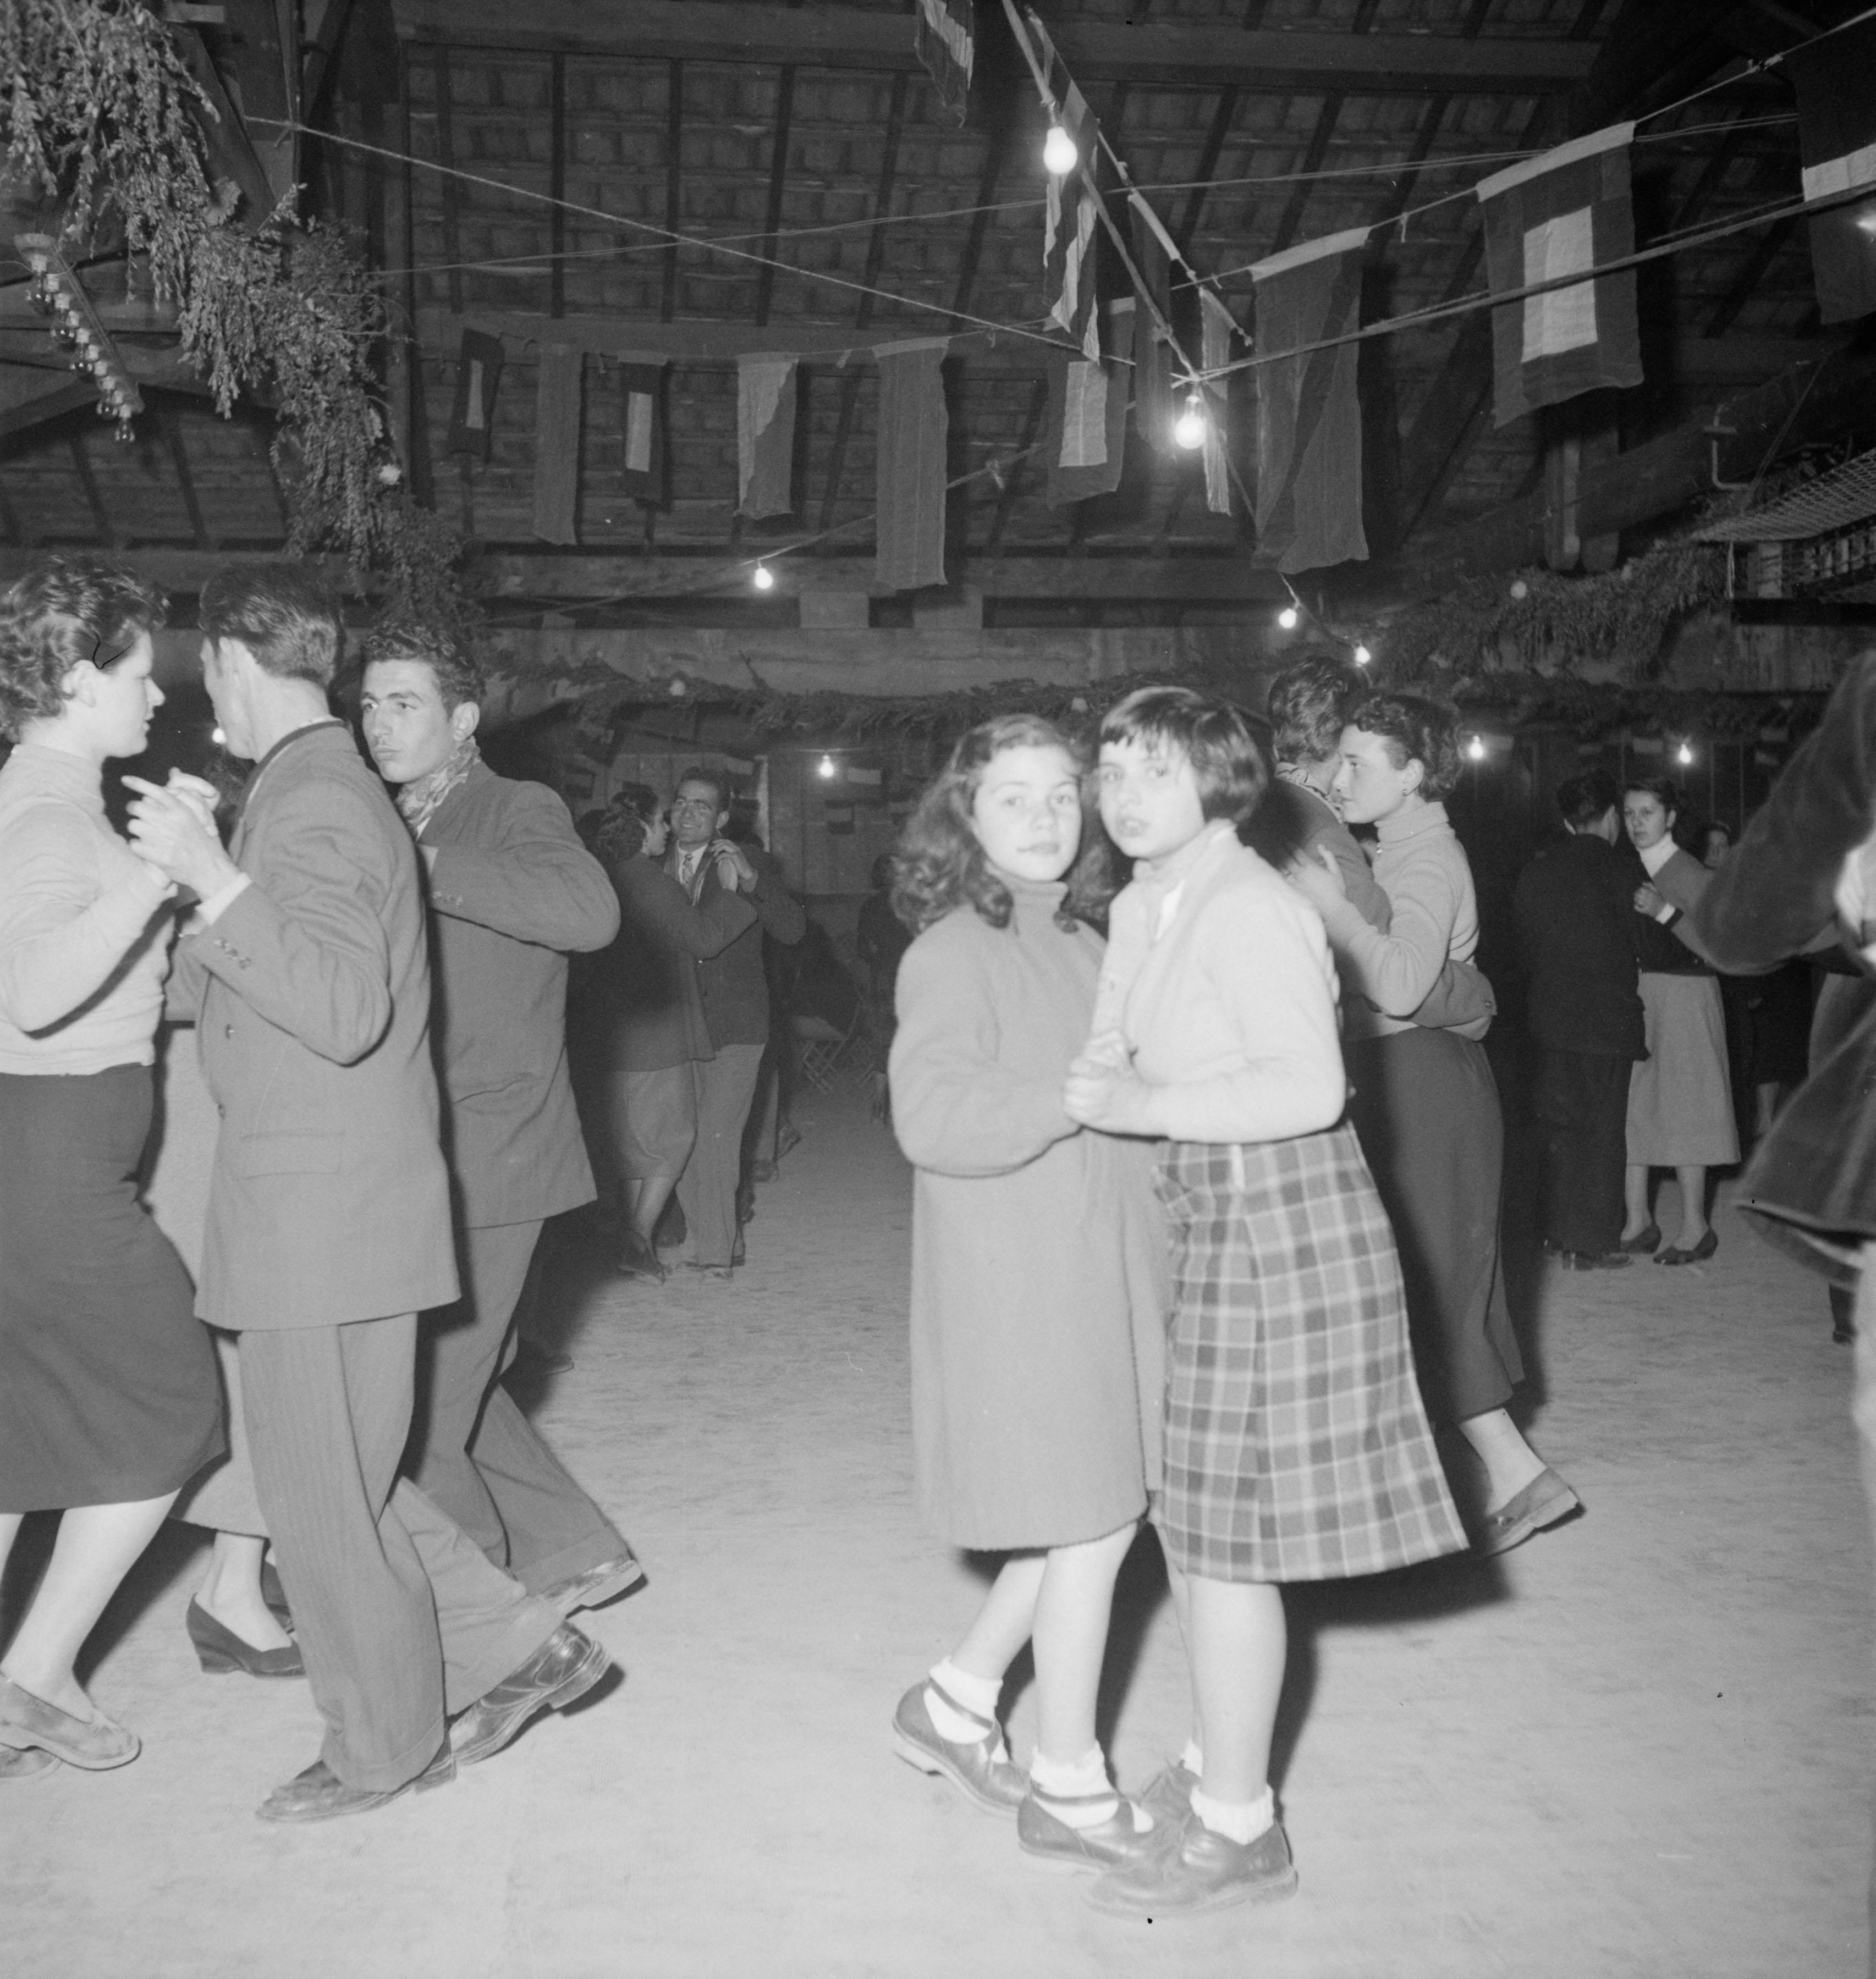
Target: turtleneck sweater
(84,937)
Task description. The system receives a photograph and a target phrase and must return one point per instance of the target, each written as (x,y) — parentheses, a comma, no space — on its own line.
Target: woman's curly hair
(1415,729)
(939,865)
(61,613)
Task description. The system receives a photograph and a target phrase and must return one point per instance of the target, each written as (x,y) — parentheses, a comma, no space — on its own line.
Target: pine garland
(101,113)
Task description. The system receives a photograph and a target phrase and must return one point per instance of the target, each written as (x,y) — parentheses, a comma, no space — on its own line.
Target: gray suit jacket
(329,1201)
(512,892)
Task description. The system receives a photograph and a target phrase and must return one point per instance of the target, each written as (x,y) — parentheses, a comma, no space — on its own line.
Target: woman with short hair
(1425,1103)
(1680,1096)
(109,1401)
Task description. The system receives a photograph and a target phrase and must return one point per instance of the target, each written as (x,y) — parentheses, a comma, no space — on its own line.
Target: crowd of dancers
(1206,1232)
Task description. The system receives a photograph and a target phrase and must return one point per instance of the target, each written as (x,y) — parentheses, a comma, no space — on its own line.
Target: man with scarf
(512,893)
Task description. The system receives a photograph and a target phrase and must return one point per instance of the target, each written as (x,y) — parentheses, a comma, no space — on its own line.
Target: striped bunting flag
(1566,212)
(1309,418)
(472,417)
(910,468)
(945,41)
(556,443)
(1086,441)
(1836,85)
(1215,329)
(1155,411)
(765,401)
(641,382)
(1071,215)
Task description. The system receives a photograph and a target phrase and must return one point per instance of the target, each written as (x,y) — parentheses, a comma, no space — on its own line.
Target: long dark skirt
(1425,1106)
(108,1393)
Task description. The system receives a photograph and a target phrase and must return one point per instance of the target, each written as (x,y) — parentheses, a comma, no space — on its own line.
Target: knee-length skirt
(1680,1096)
(1296,1446)
(108,1392)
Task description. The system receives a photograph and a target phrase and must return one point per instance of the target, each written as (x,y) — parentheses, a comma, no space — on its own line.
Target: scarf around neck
(420,800)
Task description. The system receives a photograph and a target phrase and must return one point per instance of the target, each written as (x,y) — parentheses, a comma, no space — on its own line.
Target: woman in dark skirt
(1425,1103)
(1297,1447)
(108,1397)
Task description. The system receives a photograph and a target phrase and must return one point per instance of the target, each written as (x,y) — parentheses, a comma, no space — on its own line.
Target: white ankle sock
(974,1693)
(1241,1821)
(1078,1793)
(1193,1758)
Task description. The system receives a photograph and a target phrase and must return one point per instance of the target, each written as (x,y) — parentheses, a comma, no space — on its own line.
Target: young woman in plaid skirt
(1295,1445)
(1039,1284)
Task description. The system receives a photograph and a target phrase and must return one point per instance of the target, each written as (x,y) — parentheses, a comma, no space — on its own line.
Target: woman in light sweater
(1296,1445)
(1425,1103)
(108,1397)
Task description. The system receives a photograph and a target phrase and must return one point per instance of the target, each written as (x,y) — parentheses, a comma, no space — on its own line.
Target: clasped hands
(1103,1090)
(733,870)
(172,829)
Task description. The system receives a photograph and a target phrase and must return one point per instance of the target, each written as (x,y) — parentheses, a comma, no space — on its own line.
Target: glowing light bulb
(1475,749)
(1684,754)
(764,578)
(825,767)
(1363,656)
(1189,432)
(217,736)
(1287,618)
(1059,154)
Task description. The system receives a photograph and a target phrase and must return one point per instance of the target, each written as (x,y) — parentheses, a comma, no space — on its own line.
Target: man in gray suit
(328,1225)
(512,893)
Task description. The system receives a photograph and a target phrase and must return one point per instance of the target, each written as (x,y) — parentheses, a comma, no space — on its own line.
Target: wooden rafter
(9,520)
(1317,149)
(166,424)
(778,188)
(995,153)
(1224,114)
(1019,465)
(1740,290)
(451,192)
(674,181)
(556,186)
(100,516)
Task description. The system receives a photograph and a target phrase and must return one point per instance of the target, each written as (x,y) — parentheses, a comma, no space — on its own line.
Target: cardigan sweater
(1218,976)
(84,925)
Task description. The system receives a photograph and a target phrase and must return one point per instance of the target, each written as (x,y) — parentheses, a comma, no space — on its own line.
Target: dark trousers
(400,1615)
(1581,1100)
(706,1190)
(473,1451)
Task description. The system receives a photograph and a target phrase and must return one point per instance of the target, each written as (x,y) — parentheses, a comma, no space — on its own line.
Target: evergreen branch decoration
(100,113)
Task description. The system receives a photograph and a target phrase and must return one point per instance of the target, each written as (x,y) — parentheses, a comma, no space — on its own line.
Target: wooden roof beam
(778,188)
(1171,51)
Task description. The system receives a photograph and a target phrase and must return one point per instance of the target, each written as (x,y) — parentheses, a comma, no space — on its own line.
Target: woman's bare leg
(1637,1216)
(231,1591)
(1238,1643)
(1693,1206)
(1073,1609)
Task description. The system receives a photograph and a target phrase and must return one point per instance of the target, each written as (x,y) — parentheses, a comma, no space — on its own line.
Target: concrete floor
(1640,1744)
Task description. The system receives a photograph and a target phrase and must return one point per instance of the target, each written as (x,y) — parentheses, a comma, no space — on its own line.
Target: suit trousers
(472,1452)
(1581,1100)
(399,1616)
(706,1190)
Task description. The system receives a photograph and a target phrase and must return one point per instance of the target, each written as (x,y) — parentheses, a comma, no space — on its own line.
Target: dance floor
(1639,1746)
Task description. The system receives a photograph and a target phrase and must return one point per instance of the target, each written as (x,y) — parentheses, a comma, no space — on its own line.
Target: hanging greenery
(100,114)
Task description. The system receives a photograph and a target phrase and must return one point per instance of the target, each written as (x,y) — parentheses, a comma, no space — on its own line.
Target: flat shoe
(318,1793)
(565,1667)
(979,1768)
(1169,1796)
(598,1585)
(96,1744)
(1545,1501)
(221,1652)
(1643,1241)
(1203,1872)
(1595,1260)
(1118,1840)
(25,1764)
(1696,1254)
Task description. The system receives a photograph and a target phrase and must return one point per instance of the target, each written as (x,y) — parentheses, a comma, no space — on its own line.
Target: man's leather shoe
(598,1585)
(565,1667)
(318,1793)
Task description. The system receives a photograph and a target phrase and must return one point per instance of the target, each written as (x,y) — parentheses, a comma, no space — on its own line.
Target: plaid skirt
(1296,1446)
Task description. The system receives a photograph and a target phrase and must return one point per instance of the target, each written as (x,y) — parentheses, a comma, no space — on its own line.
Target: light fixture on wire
(1288,618)
(1189,429)
(1059,153)
(1685,755)
(1363,656)
(826,767)
(1475,749)
(764,578)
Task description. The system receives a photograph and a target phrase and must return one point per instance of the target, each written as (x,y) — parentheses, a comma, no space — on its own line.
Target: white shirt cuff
(212,909)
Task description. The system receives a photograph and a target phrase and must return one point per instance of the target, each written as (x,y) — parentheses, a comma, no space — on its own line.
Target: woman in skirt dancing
(1039,1282)
(1295,1445)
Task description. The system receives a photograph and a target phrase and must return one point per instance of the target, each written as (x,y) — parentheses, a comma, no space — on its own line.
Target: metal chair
(823,1051)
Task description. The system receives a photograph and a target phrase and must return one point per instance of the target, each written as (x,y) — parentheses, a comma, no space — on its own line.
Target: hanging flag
(556,444)
(1085,444)
(1837,143)
(910,467)
(472,418)
(1215,331)
(1309,418)
(766,400)
(946,43)
(1156,409)
(641,382)
(1070,214)
(1563,214)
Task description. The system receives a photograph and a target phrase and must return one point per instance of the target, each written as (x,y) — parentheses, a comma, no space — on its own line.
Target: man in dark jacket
(1574,906)
(512,892)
